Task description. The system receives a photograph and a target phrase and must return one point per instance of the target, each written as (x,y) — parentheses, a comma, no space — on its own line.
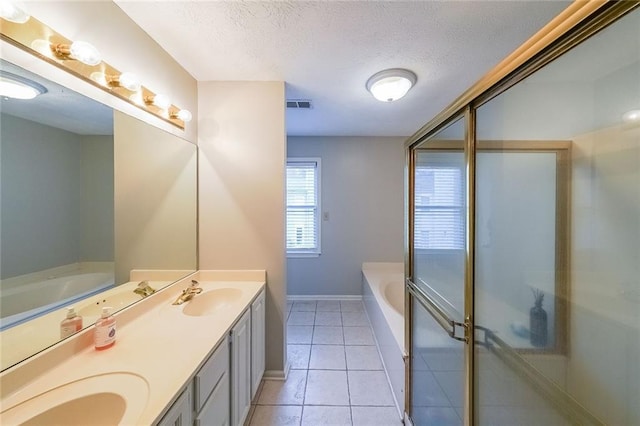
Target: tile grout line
(306,382)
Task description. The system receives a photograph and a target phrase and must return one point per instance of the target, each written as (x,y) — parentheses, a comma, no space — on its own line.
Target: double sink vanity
(199,362)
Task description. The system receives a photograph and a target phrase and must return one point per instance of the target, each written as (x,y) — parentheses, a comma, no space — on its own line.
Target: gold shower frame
(575,24)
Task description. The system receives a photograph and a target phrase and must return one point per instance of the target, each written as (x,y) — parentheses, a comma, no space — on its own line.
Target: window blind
(439,207)
(303,207)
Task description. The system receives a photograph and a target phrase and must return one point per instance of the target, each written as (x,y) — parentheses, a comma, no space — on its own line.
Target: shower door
(520,192)
(436,279)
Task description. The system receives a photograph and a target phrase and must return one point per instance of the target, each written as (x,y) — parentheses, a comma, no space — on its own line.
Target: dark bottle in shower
(538,321)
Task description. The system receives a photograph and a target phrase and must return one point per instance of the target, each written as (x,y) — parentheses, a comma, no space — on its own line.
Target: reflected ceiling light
(184,115)
(78,50)
(161,101)
(632,116)
(392,84)
(17,87)
(128,80)
(13,11)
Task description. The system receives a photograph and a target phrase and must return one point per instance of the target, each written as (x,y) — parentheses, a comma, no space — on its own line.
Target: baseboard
(277,374)
(302,298)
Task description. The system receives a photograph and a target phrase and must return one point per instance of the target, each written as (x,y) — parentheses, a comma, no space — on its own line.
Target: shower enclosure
(523,254)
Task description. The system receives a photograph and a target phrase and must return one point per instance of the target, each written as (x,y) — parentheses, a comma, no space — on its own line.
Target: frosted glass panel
(439,218)
(525,285)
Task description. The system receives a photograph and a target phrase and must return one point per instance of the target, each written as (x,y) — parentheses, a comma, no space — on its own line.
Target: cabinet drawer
(180,413)
(216,410)
(210,374)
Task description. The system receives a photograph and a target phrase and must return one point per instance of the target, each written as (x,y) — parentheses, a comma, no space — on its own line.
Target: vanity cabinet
(258,342)
(241,369)
(221,391)
(211,389)
(180,413)
(205,400)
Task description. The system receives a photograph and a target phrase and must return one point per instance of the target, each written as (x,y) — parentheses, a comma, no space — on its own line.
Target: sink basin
(105,399)
(211,301)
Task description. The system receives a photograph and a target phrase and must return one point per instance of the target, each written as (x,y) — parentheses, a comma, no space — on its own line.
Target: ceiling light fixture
(391,85)
(161,101)
(13,11)
(632,116)
(17,87)
(183,114)
(78,50)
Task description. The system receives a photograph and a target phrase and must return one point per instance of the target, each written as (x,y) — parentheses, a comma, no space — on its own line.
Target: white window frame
(317,251)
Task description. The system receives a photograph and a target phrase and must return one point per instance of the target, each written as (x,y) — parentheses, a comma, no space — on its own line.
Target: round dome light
(391,85)
(16,87)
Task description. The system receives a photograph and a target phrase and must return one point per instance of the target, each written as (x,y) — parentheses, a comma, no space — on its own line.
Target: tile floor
(336,375)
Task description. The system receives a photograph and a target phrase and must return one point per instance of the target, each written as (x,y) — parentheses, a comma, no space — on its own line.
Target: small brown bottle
(71,324)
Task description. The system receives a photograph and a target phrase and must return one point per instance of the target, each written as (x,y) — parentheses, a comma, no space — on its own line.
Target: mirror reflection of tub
(78,201)
(26,298)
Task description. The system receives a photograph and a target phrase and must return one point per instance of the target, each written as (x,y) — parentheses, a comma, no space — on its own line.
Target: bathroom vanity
(196,363)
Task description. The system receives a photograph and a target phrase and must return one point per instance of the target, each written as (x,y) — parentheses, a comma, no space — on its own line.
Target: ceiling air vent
(299,103)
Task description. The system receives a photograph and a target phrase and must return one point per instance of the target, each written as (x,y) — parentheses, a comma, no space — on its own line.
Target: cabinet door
(257,342)
(241,369)
(181,412)
(210,374)
(216,410)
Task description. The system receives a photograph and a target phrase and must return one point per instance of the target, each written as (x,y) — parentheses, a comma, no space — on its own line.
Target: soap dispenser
(105,333)
(71,324)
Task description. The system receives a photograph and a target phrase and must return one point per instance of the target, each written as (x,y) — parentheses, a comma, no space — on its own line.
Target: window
(303,206)
(439,203)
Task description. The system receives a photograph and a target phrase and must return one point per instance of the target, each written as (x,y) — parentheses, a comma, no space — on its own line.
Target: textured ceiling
(326,50)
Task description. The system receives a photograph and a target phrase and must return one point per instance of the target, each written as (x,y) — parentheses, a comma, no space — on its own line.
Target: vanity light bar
(83,60)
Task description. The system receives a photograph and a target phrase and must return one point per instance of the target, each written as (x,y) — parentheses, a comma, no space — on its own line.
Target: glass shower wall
(437,359)
(557,289)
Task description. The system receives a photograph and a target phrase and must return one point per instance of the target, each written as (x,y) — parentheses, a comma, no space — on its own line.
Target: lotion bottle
(105,333)
(71,324)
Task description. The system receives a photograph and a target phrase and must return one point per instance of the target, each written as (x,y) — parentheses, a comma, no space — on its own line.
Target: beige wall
(242,141)
(155,199)
(123,45)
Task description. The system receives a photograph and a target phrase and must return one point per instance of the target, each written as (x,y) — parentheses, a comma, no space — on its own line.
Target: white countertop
(154,341)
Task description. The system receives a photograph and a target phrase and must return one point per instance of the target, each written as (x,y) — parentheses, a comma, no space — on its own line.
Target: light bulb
(161,101)
(632,116)
(85,53)
(129,81)
(13,11)
(185,115)
(99,77)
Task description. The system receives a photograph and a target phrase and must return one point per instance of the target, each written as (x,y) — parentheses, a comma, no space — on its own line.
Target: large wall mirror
(93,202)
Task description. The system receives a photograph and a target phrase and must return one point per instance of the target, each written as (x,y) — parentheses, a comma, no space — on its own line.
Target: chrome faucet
(188,293)
(144,289)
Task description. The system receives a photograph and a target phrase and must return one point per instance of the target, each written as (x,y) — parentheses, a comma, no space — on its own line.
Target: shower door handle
(439,314)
